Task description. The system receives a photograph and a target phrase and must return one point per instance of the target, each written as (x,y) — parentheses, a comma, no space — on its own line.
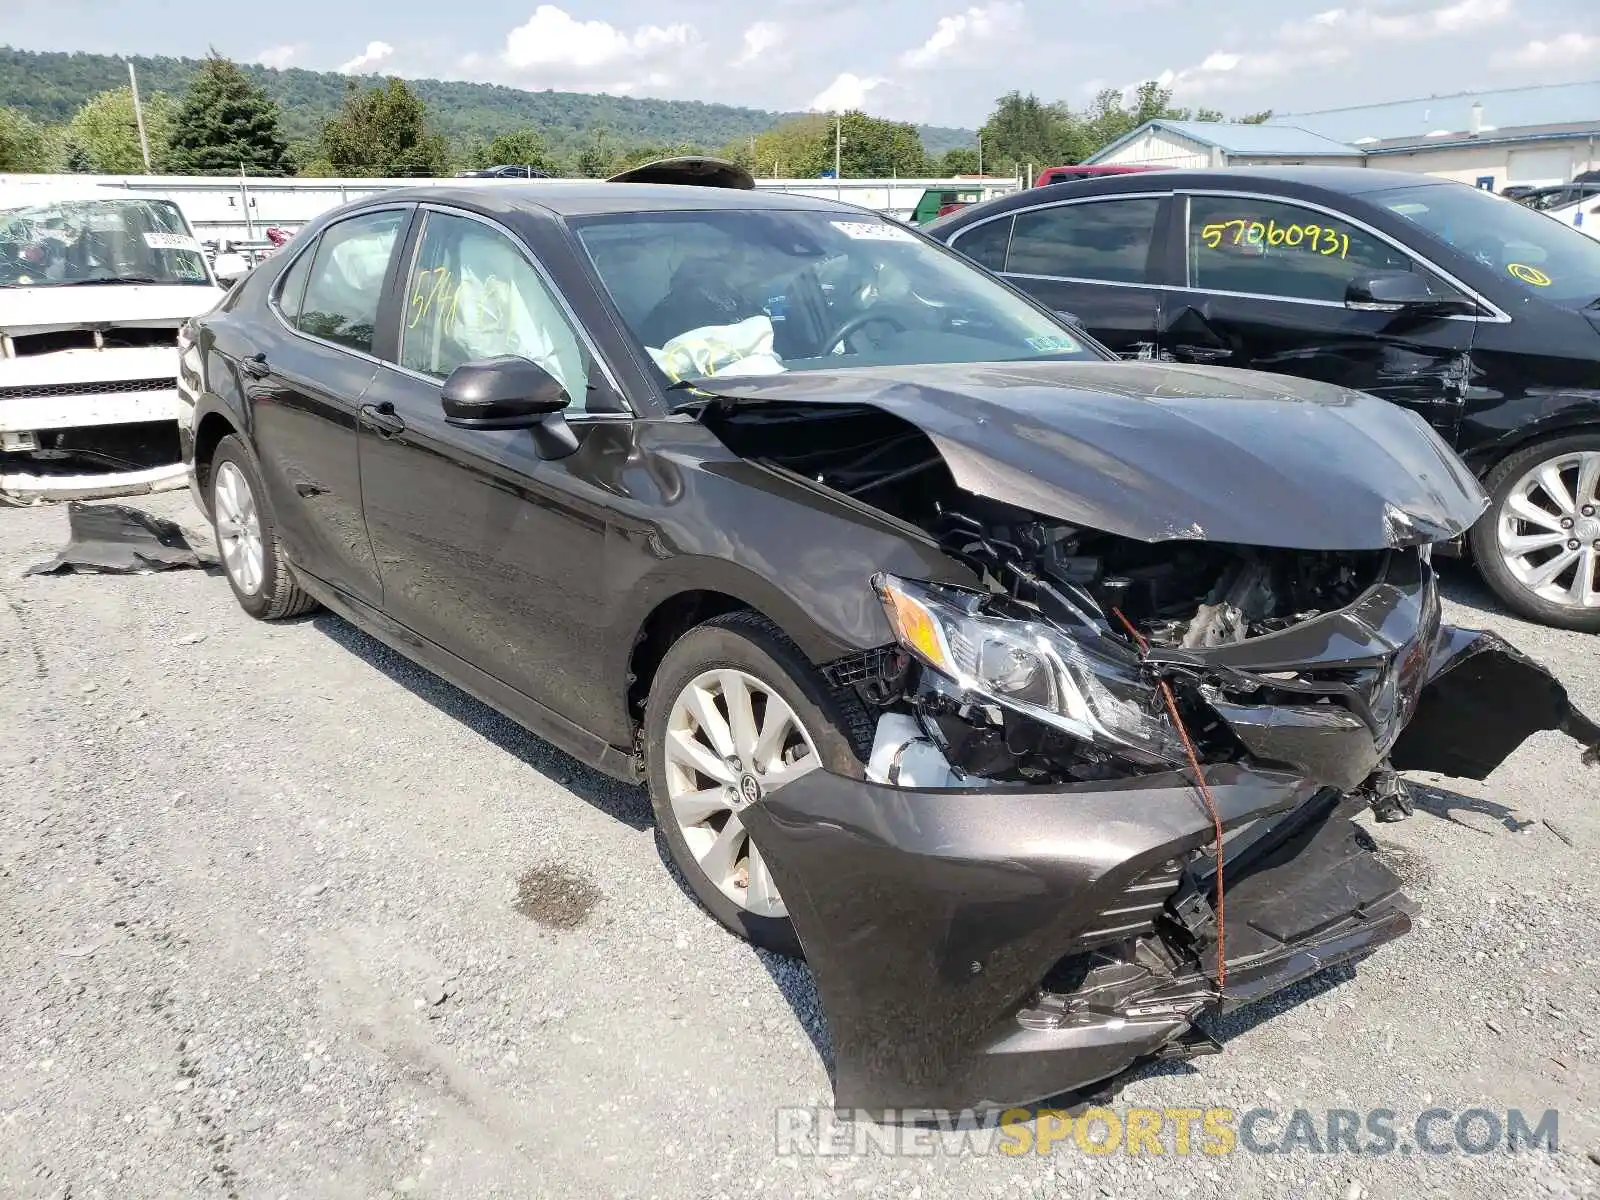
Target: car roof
(1291,181)
(579,198)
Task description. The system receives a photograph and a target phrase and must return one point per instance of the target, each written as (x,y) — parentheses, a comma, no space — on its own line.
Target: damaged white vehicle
(95,283)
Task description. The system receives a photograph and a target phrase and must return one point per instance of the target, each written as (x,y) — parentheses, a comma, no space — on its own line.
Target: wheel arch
(662,626)
(209,431)
(1583,418)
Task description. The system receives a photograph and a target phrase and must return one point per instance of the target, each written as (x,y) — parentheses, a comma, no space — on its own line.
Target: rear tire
(247,537)
(1564,510)
(701,773)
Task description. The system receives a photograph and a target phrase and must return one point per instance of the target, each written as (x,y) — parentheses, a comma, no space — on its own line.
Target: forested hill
(50,86)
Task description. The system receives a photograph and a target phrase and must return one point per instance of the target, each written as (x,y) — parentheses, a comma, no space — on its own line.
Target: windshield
(1543,256)
(57,243)
(741,292)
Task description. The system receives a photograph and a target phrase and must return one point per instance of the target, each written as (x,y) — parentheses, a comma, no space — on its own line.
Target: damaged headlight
(1090,690)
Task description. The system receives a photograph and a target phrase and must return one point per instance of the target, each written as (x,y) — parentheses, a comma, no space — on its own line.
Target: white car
(1584,215)
(95,283)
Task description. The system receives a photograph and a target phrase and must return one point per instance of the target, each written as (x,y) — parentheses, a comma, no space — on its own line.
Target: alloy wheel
(1549,531)
(238,529)
(730,740)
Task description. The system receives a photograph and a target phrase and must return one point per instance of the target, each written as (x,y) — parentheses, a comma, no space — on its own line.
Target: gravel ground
(282,915)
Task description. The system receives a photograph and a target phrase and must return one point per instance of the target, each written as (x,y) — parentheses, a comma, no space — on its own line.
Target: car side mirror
(510,392)
(1400,292)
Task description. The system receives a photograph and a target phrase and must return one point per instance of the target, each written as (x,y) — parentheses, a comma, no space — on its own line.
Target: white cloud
(553,42)
(845,93)
(1331,37)
(953,34)
(758,39)
(1566,50)
(374,54)
(277,57)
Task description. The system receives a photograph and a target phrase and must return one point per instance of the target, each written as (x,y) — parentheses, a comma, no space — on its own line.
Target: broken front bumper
(999,946)
(127,430)
(937,922)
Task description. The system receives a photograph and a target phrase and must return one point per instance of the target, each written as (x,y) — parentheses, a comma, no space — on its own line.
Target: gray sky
(899,58)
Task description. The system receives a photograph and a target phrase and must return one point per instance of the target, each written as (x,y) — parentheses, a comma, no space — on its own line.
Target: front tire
(735,711)
(247,537)
(1538,546)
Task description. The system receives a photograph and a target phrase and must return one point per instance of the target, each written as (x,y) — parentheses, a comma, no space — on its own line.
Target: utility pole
(838,144)
(138,117)
(980,154)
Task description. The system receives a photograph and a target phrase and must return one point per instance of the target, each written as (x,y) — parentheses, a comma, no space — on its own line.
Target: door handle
(381,418)
(255,366)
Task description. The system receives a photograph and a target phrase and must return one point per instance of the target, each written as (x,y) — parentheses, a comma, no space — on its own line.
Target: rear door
(1265,290)
(1096,258)
(307,377)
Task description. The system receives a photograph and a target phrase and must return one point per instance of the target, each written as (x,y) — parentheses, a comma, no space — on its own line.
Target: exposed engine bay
(1191,606)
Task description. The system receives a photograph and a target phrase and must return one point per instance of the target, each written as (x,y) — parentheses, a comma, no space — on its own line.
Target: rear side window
(292,287)
(1270,248)
(346,279)
(986,244)
(1104,239)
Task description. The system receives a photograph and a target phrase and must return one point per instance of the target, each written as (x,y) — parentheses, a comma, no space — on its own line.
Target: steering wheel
(858,322)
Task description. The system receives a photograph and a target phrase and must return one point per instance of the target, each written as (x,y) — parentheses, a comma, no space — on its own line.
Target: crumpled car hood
(1158,452)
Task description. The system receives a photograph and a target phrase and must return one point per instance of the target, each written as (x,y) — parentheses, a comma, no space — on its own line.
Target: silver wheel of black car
(735,714)
(1539,545)
(247,537)
(731,738)
(238,529)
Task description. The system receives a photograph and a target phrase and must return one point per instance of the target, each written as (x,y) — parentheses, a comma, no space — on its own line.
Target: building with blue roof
(1516,137)
(1162,143)
(1549,104)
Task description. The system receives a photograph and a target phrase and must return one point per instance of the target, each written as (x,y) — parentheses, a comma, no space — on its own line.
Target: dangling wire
(1202,787)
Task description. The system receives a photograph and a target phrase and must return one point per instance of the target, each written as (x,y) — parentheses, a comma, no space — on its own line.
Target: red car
(1063,174)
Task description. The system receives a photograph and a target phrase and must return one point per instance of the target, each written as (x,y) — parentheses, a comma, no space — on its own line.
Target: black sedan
(1475,312)
(948,646)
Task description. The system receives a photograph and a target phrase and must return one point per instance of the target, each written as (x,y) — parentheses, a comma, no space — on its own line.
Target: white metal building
(1542,104)
(1527,155)
(1162,143)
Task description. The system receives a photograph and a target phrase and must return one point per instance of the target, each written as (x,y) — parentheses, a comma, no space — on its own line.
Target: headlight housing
(1092,690)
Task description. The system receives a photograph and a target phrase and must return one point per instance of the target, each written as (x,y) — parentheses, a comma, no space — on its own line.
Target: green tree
(1260,118)
(383,131)
(1023,129)
(874,148)
(106,131)
(521,148)
(75,159)
(797,149)
(25,146)
(226,122)
(960,161)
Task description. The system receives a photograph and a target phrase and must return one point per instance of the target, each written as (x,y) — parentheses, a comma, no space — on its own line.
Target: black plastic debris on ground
(113,539)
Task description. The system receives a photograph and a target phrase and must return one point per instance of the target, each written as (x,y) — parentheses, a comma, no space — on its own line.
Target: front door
(484,548)
(308,382)
(1090,258)
(1267,281)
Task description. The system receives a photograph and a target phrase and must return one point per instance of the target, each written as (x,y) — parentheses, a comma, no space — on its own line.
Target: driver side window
(472,294)
(1271,248)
